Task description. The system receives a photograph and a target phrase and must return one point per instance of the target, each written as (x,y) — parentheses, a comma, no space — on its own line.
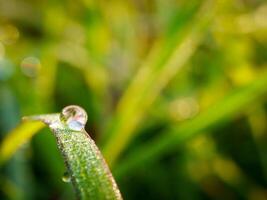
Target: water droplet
(74,116)
(184,108)
(66,177)
(30,66)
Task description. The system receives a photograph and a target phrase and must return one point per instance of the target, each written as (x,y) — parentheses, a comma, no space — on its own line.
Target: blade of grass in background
(164,61)
(257,123)
(19,136)
(216,165)
(170,139)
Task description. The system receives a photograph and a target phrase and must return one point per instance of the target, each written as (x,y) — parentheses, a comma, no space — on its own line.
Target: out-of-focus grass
(222,110)
(16,138)
(153,77)
(165,59)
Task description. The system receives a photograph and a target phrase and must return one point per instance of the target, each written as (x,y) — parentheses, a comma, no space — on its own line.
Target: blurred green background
(175,90)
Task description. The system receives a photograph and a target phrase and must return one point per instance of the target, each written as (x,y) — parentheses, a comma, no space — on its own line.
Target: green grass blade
(16,138)
(164,61)
(223,110)
(88,171)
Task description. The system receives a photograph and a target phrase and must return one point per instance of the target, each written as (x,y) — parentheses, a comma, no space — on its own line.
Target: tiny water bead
(74,117)
(66,177)
(30,66)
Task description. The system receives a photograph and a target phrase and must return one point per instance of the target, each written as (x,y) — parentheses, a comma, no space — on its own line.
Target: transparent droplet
(183,108)
(30,66)
(74,117)
(66,177)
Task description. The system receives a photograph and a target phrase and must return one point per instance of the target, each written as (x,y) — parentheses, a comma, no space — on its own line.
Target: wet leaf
(86,167)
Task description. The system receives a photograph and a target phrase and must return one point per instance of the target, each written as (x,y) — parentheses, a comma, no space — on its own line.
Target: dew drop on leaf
(66,177)
(74,117)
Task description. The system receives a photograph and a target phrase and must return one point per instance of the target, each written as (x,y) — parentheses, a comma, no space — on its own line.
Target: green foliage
(175,52)
(221,111)
(175,92)
(87,169)
(17,138)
